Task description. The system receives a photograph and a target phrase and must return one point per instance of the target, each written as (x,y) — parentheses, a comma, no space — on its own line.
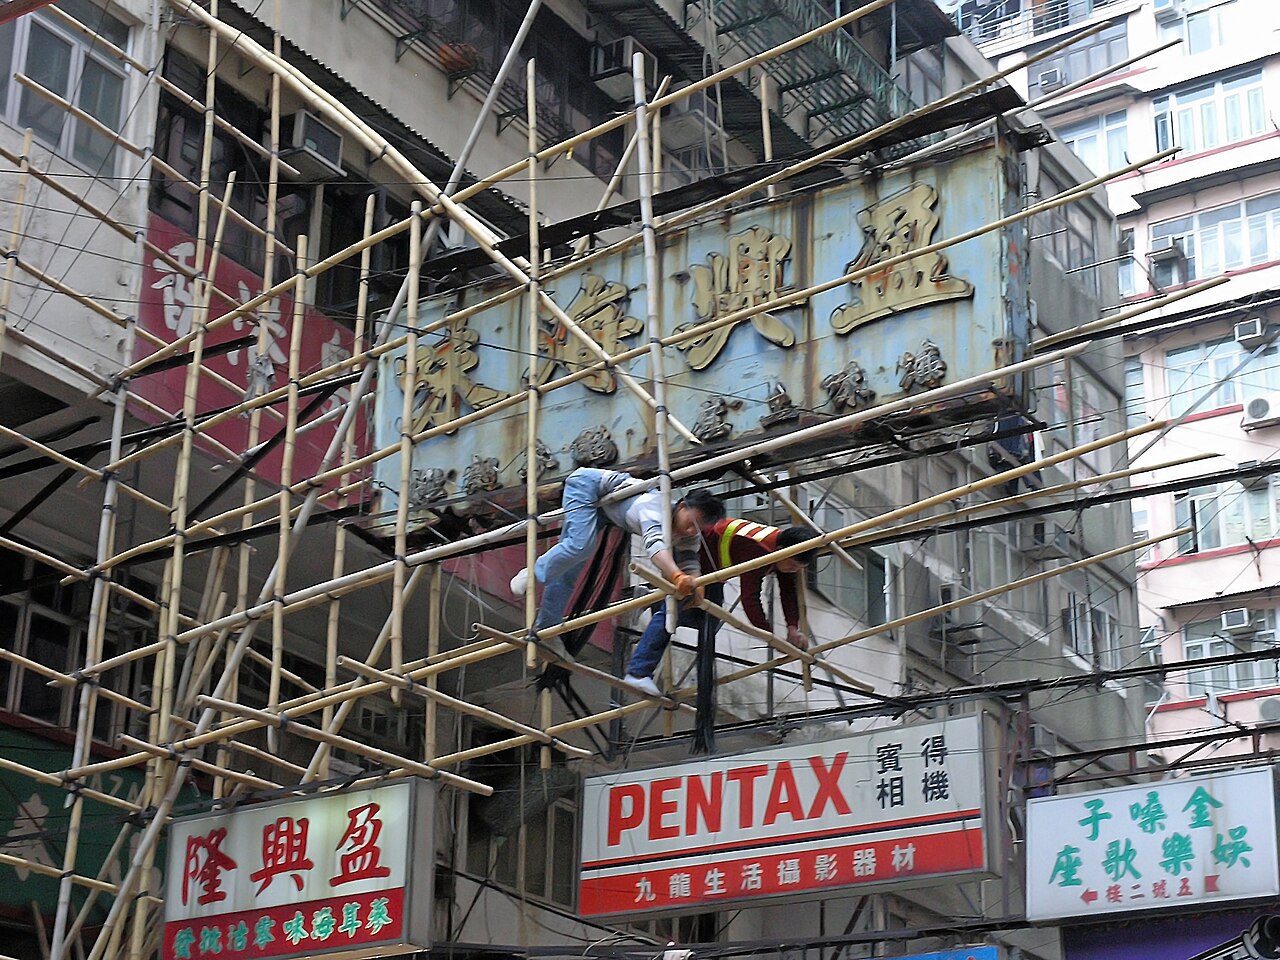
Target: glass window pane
(100,95)
(47,643)
(48,62)
(1209,125)
(1257,112)
(564,863)
(6,62)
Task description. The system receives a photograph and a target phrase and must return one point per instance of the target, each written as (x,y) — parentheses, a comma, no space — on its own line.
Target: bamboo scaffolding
(463,706)
(211,630)
(533,332)
(355,746)
(650,576)
(943,608)
(609,363)
(606,363)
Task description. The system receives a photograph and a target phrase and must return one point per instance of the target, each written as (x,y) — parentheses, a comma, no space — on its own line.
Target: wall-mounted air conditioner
(694,119)
(1269,709)
(1237,621)
(1260,412)
(611,68)
(1052,78)
(1250,332)
(1044,742)
(1044,539)
(1165,249)
(311,146)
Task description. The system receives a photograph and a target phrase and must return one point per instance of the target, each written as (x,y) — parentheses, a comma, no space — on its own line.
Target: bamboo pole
(339,531)
(408,389)
(766,128)
(45,870)
(286,476)
(431,735)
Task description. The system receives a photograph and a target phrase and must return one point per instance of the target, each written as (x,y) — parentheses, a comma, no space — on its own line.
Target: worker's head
(789,538)
(697,509)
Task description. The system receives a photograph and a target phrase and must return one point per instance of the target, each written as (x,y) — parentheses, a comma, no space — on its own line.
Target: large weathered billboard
(932,320)
(904,804)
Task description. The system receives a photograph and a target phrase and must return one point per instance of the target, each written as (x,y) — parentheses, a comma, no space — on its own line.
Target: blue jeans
(559,567)
(654,640)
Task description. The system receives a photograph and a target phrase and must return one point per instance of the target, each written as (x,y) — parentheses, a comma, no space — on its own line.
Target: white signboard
(1168,844)
(343,872)
(894,805)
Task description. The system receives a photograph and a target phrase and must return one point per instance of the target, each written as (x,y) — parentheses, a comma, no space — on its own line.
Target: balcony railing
(1012,19)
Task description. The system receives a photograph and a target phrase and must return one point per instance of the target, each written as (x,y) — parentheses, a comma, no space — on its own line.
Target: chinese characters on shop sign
(868,809)
(1185,841)
(311,875)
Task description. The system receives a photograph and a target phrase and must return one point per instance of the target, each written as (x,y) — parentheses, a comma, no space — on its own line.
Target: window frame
(1182,114)
(82,52)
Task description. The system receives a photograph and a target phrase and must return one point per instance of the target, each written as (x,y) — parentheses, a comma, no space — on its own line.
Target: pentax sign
(1170,844)
(897,332)
(897,805)
(346,873)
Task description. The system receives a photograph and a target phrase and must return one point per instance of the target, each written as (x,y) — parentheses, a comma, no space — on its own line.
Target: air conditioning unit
(1269,709)
(1051,79)
(311,146)
(1250,332)
(960,625)
(1044,742)
(611,68)
(1167,10)
(692,120)
(1260,412)
(1044,540)
(1165,249)
(1238,621)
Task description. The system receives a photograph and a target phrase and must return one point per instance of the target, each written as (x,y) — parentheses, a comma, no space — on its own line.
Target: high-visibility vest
(741,528)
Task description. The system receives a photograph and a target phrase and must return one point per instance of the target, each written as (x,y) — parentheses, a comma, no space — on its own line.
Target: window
(1208,242)
(1207,116)
(525,836)
(860,593)
(44,621)
(1199,375)
(1141,530)
(1205,638)
(1202,27)
(1102,142)
(1225,515)
(1090,627)
(1135,396)
(1068,236)
(72,66)
(1088,56)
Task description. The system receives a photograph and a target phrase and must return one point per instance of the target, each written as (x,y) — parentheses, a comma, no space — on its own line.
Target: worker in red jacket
(724,544)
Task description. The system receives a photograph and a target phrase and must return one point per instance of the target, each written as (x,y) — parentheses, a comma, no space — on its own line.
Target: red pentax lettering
(686,806)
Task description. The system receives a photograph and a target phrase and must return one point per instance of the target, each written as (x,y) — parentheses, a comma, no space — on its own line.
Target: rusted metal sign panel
(932,320)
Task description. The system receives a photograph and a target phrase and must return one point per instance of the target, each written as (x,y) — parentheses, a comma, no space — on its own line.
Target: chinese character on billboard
(879,808)
(168,310)
(1166,844)
(331,873)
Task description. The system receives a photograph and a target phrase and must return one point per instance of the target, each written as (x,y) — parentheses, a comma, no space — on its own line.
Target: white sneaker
(644,684)
(520,583)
